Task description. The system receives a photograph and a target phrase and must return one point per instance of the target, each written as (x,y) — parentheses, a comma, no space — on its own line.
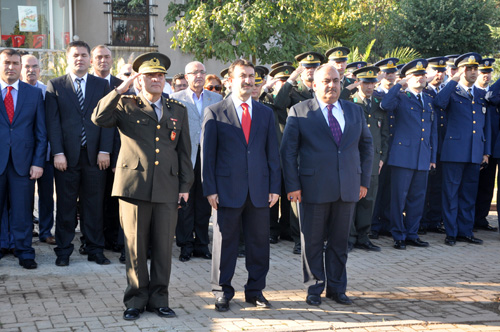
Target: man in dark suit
(191,233)
(22,129)
(241,179)
(153,173)
(327,155)
(81,153)
(102,62)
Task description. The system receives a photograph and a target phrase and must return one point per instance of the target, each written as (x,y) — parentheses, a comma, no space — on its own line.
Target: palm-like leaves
(404,54)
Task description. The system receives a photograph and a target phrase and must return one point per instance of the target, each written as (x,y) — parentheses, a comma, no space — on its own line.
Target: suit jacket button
(422,139)
(124,165)
(423,129)
(157,139)
(368,125)
(157,163)
(157,150)
(473,131)
(158,127)
(138,121)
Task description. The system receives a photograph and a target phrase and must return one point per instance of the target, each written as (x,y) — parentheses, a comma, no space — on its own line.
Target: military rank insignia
(484,110)
(408,94)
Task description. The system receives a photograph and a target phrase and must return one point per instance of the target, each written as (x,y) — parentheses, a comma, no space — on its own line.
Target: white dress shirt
(237,105)
(13,92)
(337,112)
(83,83)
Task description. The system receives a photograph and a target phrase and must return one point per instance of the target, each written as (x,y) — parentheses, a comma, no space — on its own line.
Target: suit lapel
(149,110)
(167,112)
(461,92)
(89,92)
(319,118)
(21,96)
(347,120)
(3,110)
(256,121)
(70,89)
(232,117)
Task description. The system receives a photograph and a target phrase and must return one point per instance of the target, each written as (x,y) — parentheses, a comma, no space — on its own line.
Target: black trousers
(485,193)
(280,214)
(255,223)
(192,226)
(84,182)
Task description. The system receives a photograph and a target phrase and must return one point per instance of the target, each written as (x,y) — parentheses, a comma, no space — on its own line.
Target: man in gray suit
(192,226)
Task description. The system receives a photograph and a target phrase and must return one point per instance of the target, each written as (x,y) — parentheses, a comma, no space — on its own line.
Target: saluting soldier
(153,173)
(487,174)
(376,119)
(412,153)
(432,219)
(351,67)
(293,92)
(451,69)
(466,147)
(337,56)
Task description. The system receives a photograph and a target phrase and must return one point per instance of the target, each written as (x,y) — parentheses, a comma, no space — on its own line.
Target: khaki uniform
(153,167)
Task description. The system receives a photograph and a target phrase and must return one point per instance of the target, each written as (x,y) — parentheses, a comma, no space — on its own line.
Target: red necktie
(9,103)
(246,121)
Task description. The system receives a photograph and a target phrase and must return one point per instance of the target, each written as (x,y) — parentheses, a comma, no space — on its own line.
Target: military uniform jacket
(290,95)
(414,142)
(345,93)
(154,162)
(280,114)
(441,118)
(377,122)
(468,131)
(493,99)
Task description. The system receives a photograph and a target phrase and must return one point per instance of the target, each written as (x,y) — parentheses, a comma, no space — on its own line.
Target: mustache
(245,85)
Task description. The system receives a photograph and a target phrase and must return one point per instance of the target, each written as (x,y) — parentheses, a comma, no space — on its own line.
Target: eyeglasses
(127,74)
(214,87)
(197,72)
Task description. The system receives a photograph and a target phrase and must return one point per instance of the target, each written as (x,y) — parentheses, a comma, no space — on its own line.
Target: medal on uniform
(379,123)
(172,135)
(484,110)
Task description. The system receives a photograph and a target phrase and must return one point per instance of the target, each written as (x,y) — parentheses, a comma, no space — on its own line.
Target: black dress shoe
(204,255)
(487,227)
(417,243)
(450,241)
(339,298)
(83,249)
(184,257)
(367,246)
(132,313)
(99,258)
(221,304)
(350,246)
(122,258)
(400,245)
(286,237)
(313,299)
(62,261)
(437,229)
(273,239)
(259,301)
(373,235)
(297,250)
(164,312)
(469,239)
(28,264)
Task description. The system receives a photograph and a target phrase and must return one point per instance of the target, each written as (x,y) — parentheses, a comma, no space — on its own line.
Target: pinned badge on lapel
(484,110)
(172,135)
(379,123)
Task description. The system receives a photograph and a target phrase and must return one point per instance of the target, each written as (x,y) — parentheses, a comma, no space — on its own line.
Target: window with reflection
(130,23)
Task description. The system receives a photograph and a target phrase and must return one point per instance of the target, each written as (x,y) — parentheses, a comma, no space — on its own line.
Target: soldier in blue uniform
(351,67)
(451,69)
(381,213)
(487,174)
(432,219)
(377,122)
(412,154)
(466,146)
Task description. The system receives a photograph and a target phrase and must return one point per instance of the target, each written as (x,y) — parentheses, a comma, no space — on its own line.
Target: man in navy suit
(22,129)
(327,154)
(241,178)
(81,152)
(466,147)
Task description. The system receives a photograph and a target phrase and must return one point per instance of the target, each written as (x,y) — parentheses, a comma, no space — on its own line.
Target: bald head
(30,71)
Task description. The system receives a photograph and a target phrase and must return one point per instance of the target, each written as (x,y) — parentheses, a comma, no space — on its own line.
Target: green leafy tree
(439,27)
(265,30)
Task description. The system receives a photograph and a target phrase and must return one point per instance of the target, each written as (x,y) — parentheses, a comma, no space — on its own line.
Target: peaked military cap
(415,67)
(260,74)
(388,65)
(438,63)
(486,65)
(338,54)
(451,60)
(281,63)
(152,62)
(400,66)
(468,59)
(282,72)
(310,59)
(355,65)
(224,73)
(367,74)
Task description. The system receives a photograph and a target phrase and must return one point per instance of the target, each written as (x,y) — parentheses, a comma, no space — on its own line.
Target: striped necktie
(81,100)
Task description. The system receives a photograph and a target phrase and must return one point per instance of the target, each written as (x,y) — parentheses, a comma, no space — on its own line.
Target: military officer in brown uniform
(153,174)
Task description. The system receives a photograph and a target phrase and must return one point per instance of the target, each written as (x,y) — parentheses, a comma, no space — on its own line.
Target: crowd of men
(328,155)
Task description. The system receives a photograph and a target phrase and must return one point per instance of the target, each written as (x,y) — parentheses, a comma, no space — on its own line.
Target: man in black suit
(81,153)
(327,155)
(102,62)
(241,179)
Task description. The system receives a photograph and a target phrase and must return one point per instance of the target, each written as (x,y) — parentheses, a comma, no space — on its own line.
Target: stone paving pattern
(439,288)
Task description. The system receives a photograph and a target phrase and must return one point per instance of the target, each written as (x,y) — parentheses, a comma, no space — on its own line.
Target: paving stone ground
(439,288)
